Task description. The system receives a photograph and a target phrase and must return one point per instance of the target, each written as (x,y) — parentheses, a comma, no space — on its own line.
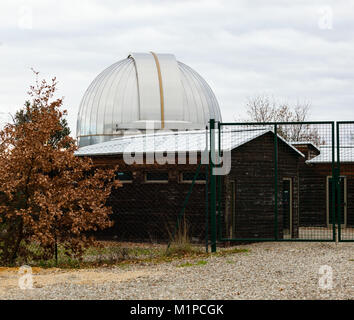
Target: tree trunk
(16,247)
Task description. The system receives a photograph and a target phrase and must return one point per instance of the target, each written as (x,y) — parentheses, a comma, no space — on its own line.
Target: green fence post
(338,182)
(212,186)
(276,182)
(218,188)
(334,183)
(206,196)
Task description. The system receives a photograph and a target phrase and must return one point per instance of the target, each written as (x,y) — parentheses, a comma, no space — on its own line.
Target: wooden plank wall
(313,194)
(253,172)
(148,211)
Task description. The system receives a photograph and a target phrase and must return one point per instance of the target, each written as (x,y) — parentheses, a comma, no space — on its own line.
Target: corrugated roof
(346,154)
(177,141)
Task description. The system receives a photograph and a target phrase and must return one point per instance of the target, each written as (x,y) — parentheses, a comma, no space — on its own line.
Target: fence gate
(345,179)
(288,181)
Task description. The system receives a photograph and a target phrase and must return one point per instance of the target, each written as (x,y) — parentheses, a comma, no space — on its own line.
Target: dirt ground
(262,271)
(9,277)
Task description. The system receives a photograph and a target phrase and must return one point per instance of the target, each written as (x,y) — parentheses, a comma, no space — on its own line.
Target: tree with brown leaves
(47,194)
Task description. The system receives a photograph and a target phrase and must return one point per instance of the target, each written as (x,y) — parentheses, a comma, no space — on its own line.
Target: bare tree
(262,108)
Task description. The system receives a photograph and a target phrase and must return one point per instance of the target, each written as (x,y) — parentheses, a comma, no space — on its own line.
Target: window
(188,177)
(156,177)
(124,176)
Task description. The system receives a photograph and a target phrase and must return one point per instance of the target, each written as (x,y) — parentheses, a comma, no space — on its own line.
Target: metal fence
(288,181)
(345,180)
(159,203)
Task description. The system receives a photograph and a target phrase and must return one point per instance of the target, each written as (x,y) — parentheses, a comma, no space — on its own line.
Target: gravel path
(267,271)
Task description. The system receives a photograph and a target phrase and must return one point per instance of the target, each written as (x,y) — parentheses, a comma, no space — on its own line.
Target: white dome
(144,89)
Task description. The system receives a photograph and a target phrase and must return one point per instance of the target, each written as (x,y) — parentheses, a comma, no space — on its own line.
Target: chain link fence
(159,204)
(345,195)
(284,183)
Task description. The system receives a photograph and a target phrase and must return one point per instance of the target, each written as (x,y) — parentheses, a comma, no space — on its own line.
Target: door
(340,193)
(233,208)
(287,204)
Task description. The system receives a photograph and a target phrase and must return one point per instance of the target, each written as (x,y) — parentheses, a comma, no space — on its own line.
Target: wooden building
(152,196)
(316,188)
(250,190)
(154,91)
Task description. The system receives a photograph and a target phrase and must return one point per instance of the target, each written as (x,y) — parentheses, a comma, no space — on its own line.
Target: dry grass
(111,253)
(180,243)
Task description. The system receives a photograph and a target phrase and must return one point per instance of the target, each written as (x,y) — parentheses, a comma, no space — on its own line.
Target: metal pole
(276,182)
(212,187)
(206,196)
(218,188)
(338,185)
(334,182)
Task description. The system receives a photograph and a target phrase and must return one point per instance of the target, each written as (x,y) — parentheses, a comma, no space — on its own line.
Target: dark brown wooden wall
(148,211)
(313,197)
(253,172)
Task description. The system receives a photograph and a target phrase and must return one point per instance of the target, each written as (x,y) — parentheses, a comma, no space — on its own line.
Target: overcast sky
(293,50)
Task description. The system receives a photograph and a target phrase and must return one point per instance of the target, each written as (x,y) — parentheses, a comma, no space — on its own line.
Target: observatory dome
(144,91)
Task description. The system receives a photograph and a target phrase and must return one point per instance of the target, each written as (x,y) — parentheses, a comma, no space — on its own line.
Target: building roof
(145,87)
(176,141)
(296,143)
(325,156)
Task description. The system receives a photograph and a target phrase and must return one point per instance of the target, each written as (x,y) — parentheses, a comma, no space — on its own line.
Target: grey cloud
(241,48)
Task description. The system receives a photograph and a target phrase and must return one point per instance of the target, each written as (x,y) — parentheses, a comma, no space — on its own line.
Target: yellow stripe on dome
(161,90)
